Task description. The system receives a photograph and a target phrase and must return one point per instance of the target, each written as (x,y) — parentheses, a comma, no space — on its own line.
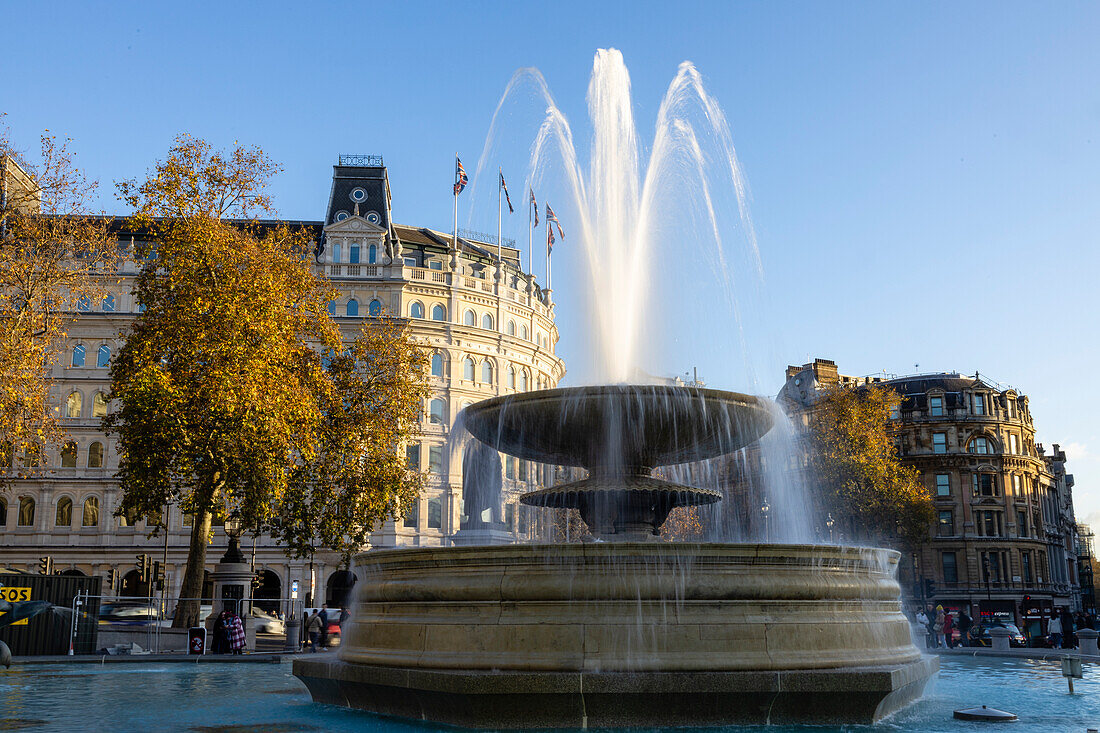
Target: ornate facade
(488,326)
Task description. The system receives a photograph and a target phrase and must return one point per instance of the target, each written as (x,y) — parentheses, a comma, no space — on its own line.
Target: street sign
(13,595)
(294,589)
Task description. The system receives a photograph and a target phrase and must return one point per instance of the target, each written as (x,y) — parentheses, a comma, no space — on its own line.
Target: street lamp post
(764,509)
(829,523)
(985,570)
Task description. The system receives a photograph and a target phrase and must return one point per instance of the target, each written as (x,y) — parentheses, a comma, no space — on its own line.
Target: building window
(435,514)
(435,459)
(983,484)
(32,455)
(372,254)
(895,412)
(1013,445)
(108,304)
(95,455)
(352,308)
(103,357)
(979,446)
(437,364)
(331,307)
(3,513)
(939,442)
(336,247)
(437,408)
(979,404)
(84,304)
(64,516)
(947,524)
(469,318)
(511,377)
(412,518)
(416,310)
(412,456)
(68,455)
(435,264)
(487,372)
(26,512)
(487,322)
(468,369)
(525,333)
(990,524)
(950,568)
(1021,524)
(374,308)
(510,468)
(99,405)
(943,484)
(935,406)
(439,313)
(1026,558)
(91,512)
(74,404)
(511,328)
(358,195)
(78,355)
(353,254)
(523,380)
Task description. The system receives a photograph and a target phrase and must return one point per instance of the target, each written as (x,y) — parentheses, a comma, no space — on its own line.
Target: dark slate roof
(922,383)
(372,179)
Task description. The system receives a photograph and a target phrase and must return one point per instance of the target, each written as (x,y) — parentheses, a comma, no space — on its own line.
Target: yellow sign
(13,595)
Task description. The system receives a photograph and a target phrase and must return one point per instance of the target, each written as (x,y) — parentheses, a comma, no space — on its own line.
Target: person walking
(313,630)
(937,626)
(235,634)
(1054,630)
(1069,639)
(323,613)
(965,623)
(948,631)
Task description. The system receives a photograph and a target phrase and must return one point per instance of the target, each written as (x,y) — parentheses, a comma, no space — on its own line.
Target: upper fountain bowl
(619,427)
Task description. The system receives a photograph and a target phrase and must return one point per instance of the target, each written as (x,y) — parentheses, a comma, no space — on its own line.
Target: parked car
(979,635)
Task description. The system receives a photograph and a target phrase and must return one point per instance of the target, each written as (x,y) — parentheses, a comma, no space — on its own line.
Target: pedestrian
(1054,630)
(1069,639)
(937,625)
(221,634)
(344,616)
(235,633)
(313,630)
(948,631)
(965,623)
(324,626)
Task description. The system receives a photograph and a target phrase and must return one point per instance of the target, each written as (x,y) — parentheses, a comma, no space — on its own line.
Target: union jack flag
(460,176)
(552,217)
(506,196)
(535,208)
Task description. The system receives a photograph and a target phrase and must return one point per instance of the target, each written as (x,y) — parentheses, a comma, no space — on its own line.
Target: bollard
(293,633)
(1087,639)
(1000,636)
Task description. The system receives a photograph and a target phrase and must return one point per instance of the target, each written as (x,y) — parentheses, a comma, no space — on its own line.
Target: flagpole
(454,238)
(500,255)
(549,284)
(530,244)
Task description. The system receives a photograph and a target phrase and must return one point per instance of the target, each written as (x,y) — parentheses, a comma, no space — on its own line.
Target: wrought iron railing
(363,160)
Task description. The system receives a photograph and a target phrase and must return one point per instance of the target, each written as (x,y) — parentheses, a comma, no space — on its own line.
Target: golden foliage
(53,254)
(869,491)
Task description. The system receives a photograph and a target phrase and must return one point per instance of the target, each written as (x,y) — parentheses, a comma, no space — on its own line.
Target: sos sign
(14,595)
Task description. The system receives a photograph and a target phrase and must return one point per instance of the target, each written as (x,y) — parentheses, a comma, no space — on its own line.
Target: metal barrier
(141,625)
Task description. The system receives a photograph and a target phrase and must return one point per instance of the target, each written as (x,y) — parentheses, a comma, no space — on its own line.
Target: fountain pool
(241,698)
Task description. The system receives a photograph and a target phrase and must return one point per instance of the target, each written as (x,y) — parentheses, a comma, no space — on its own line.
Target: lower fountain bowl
(625,634)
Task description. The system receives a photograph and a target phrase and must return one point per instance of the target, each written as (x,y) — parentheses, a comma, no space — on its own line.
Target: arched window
(64,516)
(416,310)
(511,327)
(523,380)
(103,357)
(439,313)
(435,514)
(525,333)
(95,455)
(32,455)
(437,364)
(74,405)
(68,455)
(511,377)
(108,305)
(99,405)
(487,322)
(981,446)
(372,254)
(468,369)
(91,512)
(487,372)
(336,253)
(437,408)
(469,318)
(78,355)
(353,307)
(26,512)
(331,307)
(83,305)
(353,254)
(375,308)
(140,307)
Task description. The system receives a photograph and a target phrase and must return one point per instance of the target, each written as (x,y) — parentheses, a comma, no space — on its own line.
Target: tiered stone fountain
(628,631)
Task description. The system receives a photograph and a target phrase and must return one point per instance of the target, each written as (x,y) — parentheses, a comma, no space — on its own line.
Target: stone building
(488,327)
(1004,544)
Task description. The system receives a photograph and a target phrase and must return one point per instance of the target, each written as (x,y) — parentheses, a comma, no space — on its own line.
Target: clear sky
(925,177)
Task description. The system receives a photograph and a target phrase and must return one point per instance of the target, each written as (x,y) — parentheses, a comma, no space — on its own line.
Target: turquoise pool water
(247,698)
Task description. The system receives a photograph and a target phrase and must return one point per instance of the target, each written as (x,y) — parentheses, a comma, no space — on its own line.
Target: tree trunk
(188,609)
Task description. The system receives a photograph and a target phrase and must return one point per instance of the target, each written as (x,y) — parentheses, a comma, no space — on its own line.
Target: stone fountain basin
(609,634)
(644,425)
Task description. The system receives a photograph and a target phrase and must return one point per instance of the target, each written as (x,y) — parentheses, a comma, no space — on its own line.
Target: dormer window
(935,406)
(373,217)
(979,404)
(341,215)
(358,195)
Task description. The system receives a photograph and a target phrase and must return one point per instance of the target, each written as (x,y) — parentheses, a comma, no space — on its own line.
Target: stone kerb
(1088,637)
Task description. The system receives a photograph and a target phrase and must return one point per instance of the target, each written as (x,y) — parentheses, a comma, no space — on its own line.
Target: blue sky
(925,177)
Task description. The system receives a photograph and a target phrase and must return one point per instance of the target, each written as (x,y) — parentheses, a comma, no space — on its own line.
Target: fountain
(625,631)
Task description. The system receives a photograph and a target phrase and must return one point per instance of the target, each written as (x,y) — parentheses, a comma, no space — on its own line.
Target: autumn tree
(359,471)
(855,466)
(223,390)
(54,254)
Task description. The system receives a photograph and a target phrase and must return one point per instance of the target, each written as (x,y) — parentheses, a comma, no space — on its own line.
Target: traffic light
(112,580)
(45,565)
(929,587)
(144,567)
(158,575)
(257,581)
